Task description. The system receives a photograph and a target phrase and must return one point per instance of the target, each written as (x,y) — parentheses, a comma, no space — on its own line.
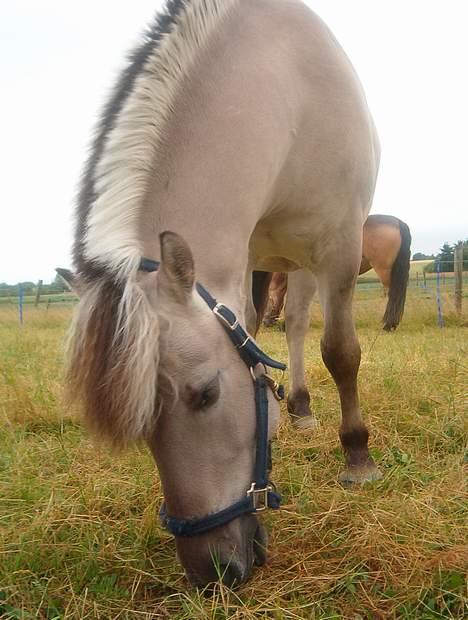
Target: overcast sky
(59,58)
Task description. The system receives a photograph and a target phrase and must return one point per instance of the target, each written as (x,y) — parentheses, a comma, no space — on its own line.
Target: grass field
(79,537)
(416,267)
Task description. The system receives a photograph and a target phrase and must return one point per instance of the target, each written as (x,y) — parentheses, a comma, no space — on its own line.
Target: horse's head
(202,425)
(204,438)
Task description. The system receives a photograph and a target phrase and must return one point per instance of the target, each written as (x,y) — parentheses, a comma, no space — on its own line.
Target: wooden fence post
(38,293)
(458,269)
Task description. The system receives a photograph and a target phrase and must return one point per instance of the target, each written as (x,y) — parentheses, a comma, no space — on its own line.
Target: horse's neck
(220,263)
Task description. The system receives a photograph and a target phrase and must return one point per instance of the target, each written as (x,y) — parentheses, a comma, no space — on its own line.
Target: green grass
(416,267)
(79,537)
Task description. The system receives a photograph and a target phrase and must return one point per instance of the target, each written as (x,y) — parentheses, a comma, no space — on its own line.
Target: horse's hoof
(359,474)
(303,423)
(300,412)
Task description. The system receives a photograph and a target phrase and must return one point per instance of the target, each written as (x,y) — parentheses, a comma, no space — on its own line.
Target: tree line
(30,288)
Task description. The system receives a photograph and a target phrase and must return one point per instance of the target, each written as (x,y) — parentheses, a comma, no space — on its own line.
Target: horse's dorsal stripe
(122,172)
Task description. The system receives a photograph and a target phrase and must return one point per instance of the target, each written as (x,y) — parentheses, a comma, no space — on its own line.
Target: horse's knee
(341,357)
(297,316)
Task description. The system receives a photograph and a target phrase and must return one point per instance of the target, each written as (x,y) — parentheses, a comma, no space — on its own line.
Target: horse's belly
(290,242)
(275,263)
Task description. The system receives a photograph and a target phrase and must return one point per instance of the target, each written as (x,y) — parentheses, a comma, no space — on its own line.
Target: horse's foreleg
(341,354)
(301,290)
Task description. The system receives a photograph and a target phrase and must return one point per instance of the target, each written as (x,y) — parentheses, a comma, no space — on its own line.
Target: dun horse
(236,139)
(386,249)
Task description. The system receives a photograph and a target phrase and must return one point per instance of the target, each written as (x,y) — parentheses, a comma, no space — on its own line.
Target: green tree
(446,258)
(421,256)
(57,286)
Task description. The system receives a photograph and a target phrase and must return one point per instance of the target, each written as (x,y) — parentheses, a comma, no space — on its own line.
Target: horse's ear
(69,279)
(177,273)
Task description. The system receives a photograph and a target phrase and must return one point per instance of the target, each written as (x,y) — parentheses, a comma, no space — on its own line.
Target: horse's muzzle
(227,554)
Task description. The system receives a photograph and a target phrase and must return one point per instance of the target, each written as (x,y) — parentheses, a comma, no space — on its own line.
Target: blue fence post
(20,303)
(440,318)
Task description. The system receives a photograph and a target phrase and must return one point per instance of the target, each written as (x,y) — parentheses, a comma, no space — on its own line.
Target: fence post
(38,293)
(424,278)
(458,269)
(20,303)
(440,318)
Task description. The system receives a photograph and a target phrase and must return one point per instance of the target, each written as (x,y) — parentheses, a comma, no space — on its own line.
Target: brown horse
(386,249)
(241,126)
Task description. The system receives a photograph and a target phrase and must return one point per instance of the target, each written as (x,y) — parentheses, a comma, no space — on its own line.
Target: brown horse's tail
(398,281)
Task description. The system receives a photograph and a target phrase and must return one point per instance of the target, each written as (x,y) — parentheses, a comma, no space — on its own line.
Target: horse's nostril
(231,573)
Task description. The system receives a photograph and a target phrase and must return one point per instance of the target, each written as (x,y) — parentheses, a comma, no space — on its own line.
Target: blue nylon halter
(262,493)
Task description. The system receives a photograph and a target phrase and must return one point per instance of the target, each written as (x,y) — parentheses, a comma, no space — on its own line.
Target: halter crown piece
(262,493)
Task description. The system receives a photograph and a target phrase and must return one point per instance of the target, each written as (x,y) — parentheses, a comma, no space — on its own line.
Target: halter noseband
(262,493)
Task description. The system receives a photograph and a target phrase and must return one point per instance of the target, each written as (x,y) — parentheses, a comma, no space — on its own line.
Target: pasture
(79,536)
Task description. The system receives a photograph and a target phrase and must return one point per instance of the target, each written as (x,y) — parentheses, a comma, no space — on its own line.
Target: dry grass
(78,533)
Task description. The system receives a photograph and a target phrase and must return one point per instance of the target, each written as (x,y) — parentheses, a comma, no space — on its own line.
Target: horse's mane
(113,352)
(130,130)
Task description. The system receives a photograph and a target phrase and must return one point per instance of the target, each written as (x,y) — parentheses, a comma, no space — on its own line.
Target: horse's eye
(208,395)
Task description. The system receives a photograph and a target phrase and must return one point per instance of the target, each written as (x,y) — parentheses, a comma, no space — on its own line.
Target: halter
(262,493)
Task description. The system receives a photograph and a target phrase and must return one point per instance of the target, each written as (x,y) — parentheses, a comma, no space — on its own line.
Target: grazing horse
(386,245)
(237,139)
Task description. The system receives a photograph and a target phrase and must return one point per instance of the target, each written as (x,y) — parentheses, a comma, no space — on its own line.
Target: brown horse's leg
(301,290)
(276,295)
(342,354)
(384,274)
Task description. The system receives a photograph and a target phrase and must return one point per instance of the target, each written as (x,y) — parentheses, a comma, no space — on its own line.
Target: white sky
(58,60)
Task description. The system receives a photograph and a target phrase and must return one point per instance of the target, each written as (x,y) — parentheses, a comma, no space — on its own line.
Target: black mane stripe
(137,59)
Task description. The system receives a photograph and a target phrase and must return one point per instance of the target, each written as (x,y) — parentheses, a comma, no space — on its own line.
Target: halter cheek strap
(262,493)
(249,351)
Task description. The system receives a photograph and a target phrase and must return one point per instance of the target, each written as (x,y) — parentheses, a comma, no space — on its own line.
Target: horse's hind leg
(276,295)
(342,355)
(301,290)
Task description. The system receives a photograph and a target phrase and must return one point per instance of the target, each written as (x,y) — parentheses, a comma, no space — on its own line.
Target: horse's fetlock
(354,443)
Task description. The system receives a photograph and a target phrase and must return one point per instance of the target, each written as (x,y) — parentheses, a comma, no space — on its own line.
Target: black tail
(398,281)
(260,285)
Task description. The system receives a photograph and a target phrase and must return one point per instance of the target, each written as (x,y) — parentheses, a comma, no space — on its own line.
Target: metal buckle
(274,386)
(232,326)
(259,497)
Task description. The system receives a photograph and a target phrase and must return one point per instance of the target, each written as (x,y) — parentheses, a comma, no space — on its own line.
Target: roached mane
(113,350)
